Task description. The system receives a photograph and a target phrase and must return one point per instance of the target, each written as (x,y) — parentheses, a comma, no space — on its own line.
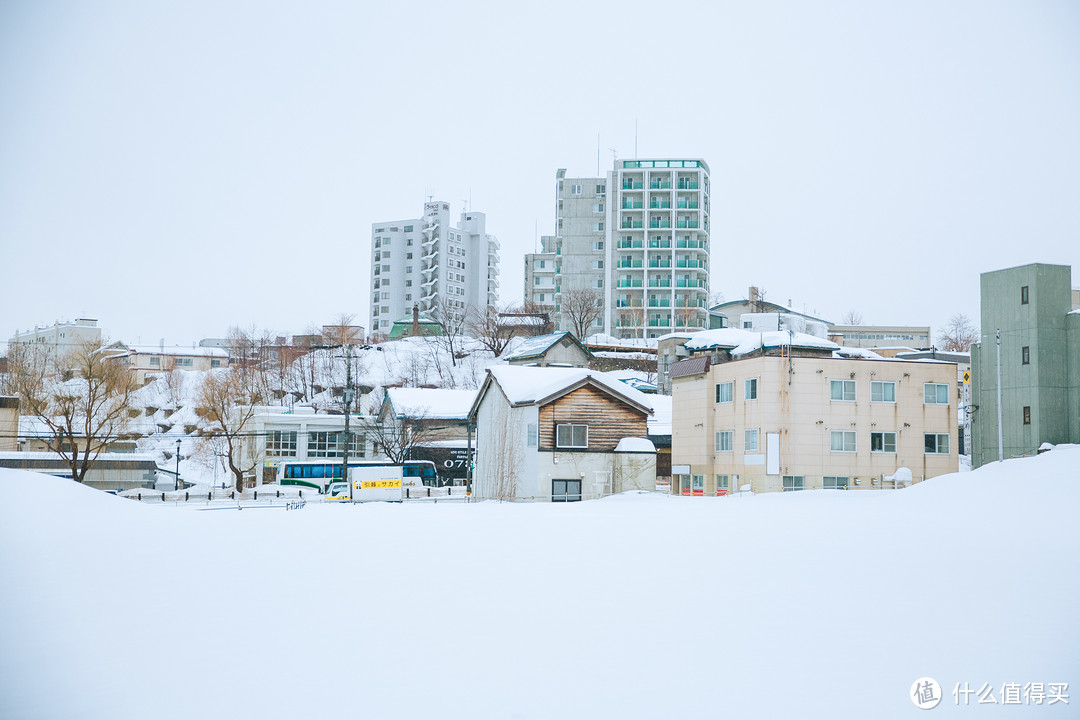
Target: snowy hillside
(824,604)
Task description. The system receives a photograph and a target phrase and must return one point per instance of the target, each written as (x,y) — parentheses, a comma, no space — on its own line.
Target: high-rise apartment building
(639,239)
(427,261)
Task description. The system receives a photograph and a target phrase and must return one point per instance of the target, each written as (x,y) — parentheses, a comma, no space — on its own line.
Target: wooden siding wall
(609,420)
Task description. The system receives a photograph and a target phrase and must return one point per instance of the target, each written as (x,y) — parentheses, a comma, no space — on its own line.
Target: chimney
(415,320)
(752,300)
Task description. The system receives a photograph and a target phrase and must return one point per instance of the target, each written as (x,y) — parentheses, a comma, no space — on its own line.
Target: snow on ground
(825,604)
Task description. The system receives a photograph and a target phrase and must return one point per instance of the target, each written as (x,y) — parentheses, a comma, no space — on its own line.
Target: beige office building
(779,419)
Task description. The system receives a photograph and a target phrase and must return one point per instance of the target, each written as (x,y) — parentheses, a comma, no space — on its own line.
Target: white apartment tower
(639,238)
(427,260)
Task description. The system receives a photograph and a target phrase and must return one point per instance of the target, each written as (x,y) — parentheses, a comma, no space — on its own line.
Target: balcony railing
(655,204)
(688,185)
(664,263)
(660,302)
(659,222)
(660,185)
(687,223)
(629,244)
(632,185)
(635,263)
(631,224)
(632,204)
(630,283)
(660,283)
(687,204)
(666,243)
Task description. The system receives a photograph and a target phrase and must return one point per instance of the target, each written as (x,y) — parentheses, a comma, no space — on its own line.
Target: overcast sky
(175,168)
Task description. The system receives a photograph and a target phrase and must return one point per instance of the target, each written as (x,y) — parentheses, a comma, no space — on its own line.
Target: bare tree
(395,438)
(227,401)
(958,334)
(542,313)
(581,307)
(851,317)
(83,400)
(453,321)
(491,329)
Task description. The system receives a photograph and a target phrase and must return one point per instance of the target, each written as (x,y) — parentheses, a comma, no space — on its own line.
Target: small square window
(750,440)
(751,389)
(842,390)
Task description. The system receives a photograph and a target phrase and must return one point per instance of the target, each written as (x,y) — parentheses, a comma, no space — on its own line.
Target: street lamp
(176,485)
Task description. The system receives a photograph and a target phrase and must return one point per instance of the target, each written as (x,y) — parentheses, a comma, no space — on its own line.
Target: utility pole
(347,397)
(1001,449)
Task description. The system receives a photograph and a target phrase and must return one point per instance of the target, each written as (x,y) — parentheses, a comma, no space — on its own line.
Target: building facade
(1033,311)
(639,239)
(790,419)
(427,260)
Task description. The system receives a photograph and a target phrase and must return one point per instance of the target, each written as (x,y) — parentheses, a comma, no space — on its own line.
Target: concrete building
(109,471)
(780,412)
(560,435)
(426,261)
(1033,309)
(885,336)
(59,337)
(142,363)
(728,314)
(639,238)
(540,275)
(9,422)
(275,434)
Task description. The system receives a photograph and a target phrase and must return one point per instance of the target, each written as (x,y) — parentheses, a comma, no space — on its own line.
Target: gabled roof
(540,386)
(536,346)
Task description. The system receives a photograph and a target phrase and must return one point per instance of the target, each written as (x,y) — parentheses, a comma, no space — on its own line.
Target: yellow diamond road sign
(967,376)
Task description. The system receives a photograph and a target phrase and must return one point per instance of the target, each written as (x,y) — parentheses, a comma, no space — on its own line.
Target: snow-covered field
(817,604)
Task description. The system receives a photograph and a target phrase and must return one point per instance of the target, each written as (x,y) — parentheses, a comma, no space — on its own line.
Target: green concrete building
(1032,308)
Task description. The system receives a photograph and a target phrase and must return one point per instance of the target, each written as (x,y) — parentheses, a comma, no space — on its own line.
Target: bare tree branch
(958,334)
(581,307)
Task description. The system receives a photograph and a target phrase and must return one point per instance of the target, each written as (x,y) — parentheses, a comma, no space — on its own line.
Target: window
(751,389)
(1025,355)
(936,443)
(699,484)
(572,436)
(750,440)
(281,443)
(598,207)
(408,228)
(598,245)
(725,392)
(1027,414)
(575,189)
(1024,295)
(721,483)
(215,362)
(408,270)
(830,482)
(842,440)
(565,490)
(883,442)
(601,190)
(386,296)
(935,393)
(532,434)
(155,360)
(598,264)
(882,391)
(725,441)
(793,482)
(182,362)
(842,390)
(598,227)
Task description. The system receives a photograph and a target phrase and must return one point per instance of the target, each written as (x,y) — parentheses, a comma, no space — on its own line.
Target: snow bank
(809,604)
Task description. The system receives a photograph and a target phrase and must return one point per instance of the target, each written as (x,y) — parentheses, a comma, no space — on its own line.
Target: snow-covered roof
(533,385)
(638,384)
(612,341)
(635,445)
(741,342)
(851,352)
(184,352)
(533,346)
(681,335)
(427,403)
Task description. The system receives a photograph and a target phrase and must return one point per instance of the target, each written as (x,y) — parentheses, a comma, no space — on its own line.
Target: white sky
(174,168)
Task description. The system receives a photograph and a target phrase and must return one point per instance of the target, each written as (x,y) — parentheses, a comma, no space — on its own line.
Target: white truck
(370,483)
